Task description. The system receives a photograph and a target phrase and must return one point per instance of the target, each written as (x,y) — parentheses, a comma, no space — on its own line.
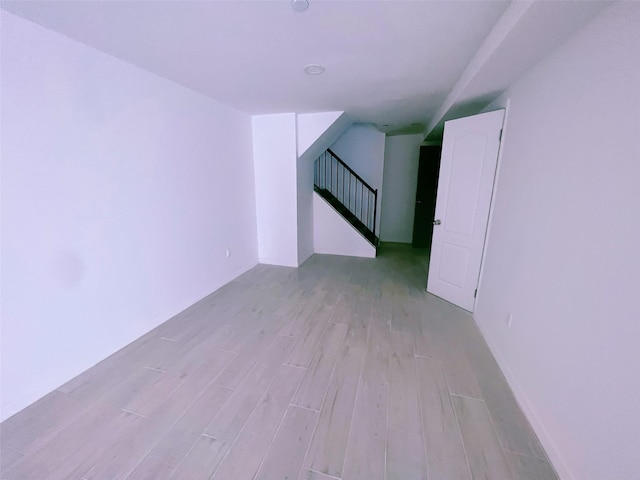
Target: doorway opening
(426,191)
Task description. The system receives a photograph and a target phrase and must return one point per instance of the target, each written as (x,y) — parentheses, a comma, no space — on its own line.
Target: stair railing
(333,176)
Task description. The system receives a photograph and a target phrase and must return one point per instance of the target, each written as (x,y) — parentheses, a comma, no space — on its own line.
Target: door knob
(437,222)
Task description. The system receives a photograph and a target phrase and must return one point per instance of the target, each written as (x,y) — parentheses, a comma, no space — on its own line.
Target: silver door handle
(437,222)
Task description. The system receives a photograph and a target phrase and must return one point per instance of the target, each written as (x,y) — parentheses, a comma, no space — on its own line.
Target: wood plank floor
(341,369)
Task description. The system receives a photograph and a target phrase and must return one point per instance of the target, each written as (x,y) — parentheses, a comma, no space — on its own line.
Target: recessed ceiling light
(313,69)
(300,5)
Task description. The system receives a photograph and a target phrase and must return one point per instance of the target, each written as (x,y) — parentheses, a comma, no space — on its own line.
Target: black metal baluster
(364,218)
(355,198)
(325,171)
(337,177)
(338,166)
(375,210)
(365,194)
(361,195)
(331,174)
(372,209)
(349,206)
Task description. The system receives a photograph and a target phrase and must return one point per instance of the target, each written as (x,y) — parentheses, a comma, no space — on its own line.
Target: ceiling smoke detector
(300,5)
(314,69)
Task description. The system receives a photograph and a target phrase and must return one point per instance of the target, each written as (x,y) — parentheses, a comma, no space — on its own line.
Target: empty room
(320,239)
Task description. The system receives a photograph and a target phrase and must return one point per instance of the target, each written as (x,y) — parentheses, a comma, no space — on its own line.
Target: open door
(467,171)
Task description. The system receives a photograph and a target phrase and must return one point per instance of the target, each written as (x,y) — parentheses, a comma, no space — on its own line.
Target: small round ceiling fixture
(300,5)
(314,69)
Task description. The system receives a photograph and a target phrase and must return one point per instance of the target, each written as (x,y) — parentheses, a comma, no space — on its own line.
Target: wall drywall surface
(315,132)
(332,234)
(362,148)
(401,157)
(274,156)
(120,193)
(563,249)
(312,126)
(304,193)
(318,131)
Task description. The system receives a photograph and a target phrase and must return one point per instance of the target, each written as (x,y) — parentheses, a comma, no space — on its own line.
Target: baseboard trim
(278,262)
(305,257)
(529,411)
(371,254)
(16,405)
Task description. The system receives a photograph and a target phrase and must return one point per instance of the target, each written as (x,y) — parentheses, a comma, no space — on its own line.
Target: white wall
(120,193)
(274,155)
(401,159)
(284,148)
(315,132)
(362,148)
(332,234)
(563,251)
(311,127)
(305,208)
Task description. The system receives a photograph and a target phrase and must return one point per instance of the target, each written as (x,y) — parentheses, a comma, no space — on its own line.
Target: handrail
(334,179)
(351,170)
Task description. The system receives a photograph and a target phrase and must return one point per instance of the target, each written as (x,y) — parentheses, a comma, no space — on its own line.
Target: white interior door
(467,171)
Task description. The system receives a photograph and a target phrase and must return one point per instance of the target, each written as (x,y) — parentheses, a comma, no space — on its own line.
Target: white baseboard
(324,251)
(278,262)
(547,443)
(15,405)
(305,257)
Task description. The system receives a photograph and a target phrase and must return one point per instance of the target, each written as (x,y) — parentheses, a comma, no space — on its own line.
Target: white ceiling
(391,62)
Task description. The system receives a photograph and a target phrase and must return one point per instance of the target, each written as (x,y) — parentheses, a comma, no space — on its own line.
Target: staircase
(347,193)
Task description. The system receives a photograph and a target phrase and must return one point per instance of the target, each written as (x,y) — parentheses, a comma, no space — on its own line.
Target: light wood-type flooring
(344,368)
